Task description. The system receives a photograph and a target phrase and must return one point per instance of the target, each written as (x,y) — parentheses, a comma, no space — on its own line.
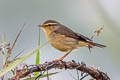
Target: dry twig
(93,72)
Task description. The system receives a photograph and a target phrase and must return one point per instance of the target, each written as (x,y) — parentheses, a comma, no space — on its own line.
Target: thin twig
(84,76)
(8,55)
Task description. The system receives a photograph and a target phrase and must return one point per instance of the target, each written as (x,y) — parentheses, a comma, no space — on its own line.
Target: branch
(92,71)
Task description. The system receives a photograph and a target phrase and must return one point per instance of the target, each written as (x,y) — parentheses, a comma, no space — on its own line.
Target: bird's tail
(97,45)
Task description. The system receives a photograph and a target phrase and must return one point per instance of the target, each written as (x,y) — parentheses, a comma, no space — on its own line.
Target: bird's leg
(64,56)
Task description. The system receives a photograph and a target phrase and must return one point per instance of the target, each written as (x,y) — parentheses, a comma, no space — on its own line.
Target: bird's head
(49,26)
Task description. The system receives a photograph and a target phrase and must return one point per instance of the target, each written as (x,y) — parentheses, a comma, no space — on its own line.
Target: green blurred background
(82,16)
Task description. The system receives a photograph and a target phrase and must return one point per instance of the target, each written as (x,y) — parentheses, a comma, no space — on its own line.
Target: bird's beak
(39,25)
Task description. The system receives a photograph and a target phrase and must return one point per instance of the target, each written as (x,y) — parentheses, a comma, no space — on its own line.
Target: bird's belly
(63,43)
(60,46)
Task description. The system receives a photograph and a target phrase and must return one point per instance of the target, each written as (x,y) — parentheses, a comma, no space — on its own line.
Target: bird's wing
(69,33)
(80,35)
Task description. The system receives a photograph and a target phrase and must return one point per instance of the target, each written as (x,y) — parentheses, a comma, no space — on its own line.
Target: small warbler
(64,39)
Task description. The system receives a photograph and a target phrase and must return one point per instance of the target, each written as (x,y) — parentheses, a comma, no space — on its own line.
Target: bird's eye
(49,24)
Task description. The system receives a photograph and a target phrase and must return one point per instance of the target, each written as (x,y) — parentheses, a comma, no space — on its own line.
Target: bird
(65,39)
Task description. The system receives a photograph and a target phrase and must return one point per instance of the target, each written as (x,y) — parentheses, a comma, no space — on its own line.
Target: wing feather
(69,33)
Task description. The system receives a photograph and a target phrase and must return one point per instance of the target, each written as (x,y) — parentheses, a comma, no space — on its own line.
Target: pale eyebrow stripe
(51,24)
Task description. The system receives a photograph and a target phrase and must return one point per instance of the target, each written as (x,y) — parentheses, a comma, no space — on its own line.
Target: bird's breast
(62,43)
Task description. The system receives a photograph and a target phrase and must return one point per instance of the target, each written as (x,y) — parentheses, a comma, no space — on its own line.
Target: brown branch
(92,71)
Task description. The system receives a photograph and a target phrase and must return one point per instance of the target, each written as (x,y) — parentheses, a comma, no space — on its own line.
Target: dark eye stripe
(51,25)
